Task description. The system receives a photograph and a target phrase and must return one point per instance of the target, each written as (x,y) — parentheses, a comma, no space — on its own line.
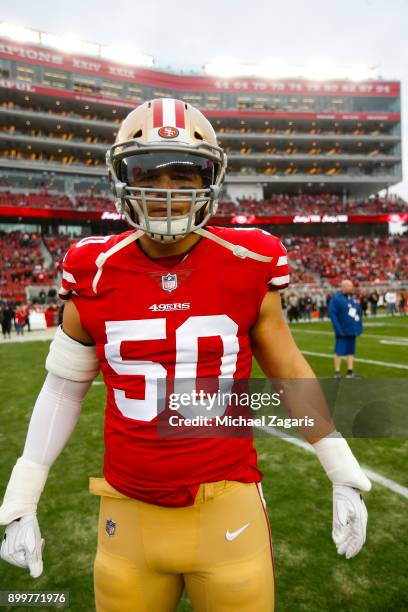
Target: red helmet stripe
(180,123)
(157,113)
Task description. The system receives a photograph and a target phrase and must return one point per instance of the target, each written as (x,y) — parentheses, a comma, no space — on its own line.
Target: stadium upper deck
(59,113)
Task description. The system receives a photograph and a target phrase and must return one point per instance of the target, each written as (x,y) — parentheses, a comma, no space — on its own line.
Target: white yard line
(330,333)
(385,364)
(374,476)
(400,342)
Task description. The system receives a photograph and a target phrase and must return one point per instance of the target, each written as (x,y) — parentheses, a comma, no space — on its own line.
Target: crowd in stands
(362,259)
(22,264)
(304,204)
(42,199)
(277,204)
(320,263)
(58,246)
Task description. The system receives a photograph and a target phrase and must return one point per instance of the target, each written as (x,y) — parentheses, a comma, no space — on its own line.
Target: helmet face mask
(192,163)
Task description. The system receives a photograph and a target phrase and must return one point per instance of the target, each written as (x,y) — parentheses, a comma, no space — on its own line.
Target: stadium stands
(278,204)
(35,200)
(58,246)
(363,259)
(21,264)
(313,204)
(319,261)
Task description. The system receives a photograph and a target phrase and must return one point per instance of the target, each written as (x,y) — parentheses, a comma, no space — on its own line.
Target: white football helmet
(166,134)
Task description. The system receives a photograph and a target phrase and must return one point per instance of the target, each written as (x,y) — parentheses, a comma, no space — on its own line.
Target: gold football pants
(218,549)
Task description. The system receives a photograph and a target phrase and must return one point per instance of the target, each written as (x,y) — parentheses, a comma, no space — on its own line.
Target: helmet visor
(136,169)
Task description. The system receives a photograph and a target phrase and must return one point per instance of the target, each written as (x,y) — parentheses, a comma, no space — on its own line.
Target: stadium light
(318,71)
(69,44)
(324,71)
(265,70)
(227,69)
(362,73)
(126,55)
(278,70)
(19,33)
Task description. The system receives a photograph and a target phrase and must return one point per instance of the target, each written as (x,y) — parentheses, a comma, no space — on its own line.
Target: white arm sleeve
(54,417)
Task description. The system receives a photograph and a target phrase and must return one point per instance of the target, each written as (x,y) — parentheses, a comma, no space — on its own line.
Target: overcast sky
(187,34)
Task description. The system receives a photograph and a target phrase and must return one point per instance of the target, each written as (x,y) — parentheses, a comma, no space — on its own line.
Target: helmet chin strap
(236,249)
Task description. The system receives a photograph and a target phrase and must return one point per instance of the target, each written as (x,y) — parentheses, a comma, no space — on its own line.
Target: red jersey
(153,322)
(21,317)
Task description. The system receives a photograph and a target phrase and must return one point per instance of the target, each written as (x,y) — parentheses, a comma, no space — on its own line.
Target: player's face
(170,178)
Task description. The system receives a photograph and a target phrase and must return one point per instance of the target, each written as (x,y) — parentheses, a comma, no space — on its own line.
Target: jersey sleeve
(69,282)
(260,242)
(79,268)
(278,273)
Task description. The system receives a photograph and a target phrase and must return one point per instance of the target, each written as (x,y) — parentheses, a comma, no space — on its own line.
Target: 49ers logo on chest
(169,282)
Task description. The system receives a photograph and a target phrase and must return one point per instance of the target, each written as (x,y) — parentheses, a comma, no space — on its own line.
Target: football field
(310,576)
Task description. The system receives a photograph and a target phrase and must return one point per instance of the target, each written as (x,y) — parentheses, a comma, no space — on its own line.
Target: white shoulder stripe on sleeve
(282,261)
(68,276)
(279,280)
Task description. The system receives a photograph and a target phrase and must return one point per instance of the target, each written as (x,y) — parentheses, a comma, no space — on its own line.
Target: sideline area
(31,336)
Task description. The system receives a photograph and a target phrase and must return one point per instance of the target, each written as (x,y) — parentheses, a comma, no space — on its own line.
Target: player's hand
(349,520)
(22,545)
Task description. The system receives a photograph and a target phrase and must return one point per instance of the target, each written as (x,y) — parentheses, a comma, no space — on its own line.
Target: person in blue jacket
(345,315)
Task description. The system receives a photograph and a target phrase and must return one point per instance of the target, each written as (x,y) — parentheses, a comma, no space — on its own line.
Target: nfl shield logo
(169,282)
(110,527)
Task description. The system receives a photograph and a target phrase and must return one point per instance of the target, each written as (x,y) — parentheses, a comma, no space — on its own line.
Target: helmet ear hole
(198,135)
(138,134)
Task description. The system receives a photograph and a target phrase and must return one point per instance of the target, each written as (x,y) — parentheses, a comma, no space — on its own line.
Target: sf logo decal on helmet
(168,132)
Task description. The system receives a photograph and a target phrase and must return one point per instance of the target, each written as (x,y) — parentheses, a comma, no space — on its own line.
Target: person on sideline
(345,315)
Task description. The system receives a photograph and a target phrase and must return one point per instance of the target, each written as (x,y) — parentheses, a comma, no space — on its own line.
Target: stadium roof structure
(62,100)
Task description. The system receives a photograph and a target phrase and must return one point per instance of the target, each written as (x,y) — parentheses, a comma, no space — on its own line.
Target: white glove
(349,511)
(349,520)
(54,417)
(22,544)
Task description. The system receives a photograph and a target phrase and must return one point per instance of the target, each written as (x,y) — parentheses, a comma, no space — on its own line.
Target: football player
(170,300)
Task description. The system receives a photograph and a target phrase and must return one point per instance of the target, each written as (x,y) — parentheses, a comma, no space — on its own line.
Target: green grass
(310,575)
